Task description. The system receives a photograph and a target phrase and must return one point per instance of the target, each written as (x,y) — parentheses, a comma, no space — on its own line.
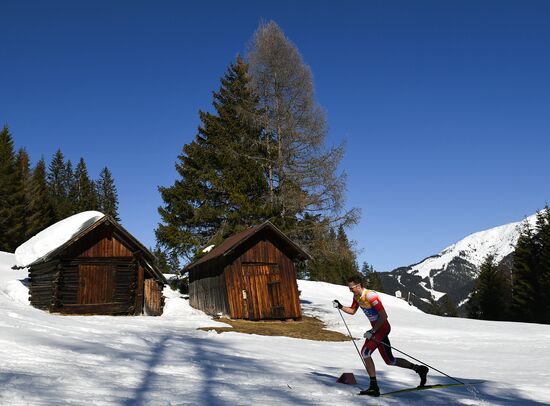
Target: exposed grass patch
(308,328)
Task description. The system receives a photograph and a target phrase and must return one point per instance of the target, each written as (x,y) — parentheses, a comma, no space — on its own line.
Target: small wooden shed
(101,270)
(251,275)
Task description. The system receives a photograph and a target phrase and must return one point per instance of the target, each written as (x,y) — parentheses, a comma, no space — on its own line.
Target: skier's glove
(369,334)
(336,304)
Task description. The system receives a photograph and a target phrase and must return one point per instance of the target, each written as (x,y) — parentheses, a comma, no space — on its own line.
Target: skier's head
(355,284)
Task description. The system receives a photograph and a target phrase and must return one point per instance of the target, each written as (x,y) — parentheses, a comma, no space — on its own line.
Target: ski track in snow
(49,359)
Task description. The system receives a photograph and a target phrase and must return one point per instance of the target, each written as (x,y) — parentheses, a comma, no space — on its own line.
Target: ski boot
(371,391)
(422,371)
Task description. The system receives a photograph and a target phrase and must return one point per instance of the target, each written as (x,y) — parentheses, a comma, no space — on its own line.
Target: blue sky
(444,105)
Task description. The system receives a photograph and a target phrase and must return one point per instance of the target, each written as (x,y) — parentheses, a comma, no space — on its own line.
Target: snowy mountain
(453,271)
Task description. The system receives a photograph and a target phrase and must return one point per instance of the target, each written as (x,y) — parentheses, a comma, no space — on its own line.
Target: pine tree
(41,213)
(58,185)
(221,183)
(83,194)
(372,278)
(490,295)
(20,197)
(448,307)
(524,283)
(107,194)
(8,190)
(542,273)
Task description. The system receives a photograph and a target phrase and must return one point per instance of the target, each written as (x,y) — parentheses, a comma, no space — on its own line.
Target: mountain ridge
(452,272)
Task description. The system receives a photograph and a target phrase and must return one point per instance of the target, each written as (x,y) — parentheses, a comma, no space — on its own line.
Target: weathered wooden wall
(257,282)
(154,301)
(268,277)
(207,290)
(41,286)
(98,274)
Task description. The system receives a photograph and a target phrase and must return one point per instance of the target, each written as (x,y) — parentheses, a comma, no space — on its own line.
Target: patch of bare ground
(308,328)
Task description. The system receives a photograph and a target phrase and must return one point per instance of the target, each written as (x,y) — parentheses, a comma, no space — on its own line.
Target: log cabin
(102,269)
(251,275)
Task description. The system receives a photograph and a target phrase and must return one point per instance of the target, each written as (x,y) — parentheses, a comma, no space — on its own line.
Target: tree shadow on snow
(209,374)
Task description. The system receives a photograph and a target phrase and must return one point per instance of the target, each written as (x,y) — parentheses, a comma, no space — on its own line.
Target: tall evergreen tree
(20,197)
(107,194)
(58,179)
(41,213)
(524,282)
(448,307)
(221,183)
(489,300)
(544,261)
(83,194)
(372,278)
(541,267)
(8,189)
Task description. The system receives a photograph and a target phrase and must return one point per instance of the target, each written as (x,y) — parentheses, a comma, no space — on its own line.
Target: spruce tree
(58,186)
(542,274)
(524,283)
(221,184)
(448,307)
(490,293)
(83,195)
(20,197)
(8,189)
(41,213)
(372,278)
(107,194)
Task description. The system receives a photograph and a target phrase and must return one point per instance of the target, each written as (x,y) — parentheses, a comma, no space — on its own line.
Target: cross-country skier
(371,305)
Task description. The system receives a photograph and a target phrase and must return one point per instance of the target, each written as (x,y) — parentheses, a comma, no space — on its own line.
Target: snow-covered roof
(54,237)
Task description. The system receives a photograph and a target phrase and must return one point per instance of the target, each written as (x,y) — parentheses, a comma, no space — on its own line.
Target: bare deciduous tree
(302,173)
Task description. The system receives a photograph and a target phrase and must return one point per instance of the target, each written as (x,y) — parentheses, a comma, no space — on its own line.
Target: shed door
(97,283)
(264,292)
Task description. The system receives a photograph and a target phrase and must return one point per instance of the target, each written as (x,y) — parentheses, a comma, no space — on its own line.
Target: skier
(371,305)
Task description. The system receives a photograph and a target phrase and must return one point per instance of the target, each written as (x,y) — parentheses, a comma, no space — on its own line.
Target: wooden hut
(251,275)
(102,269)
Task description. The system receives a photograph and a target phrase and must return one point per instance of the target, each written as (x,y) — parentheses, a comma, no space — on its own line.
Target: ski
(436,386)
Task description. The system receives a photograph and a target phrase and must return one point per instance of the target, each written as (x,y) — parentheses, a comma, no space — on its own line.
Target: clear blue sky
(444,105)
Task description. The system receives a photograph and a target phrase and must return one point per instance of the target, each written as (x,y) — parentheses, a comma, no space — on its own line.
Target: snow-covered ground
(49,359)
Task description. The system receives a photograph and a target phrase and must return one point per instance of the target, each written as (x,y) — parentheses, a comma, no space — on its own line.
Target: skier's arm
(349,310)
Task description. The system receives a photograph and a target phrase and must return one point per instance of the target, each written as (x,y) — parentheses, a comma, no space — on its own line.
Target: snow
(498,241)
(208,249)
(49,359)
(436,295)
(54,236)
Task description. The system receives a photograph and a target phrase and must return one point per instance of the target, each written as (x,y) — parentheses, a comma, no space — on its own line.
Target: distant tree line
(32,199)
(520,292)
(261,155)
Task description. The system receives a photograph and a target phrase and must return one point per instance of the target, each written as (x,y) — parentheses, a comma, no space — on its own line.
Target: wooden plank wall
(262,252)
(41,284)
(207,290)
(70,297)
(107,247)
(56,285)
(154,301)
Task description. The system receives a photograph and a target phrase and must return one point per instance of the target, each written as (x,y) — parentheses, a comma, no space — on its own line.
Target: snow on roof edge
(54,237)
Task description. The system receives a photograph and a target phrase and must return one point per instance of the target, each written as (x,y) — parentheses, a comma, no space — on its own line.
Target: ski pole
(352,340)
(417,360)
